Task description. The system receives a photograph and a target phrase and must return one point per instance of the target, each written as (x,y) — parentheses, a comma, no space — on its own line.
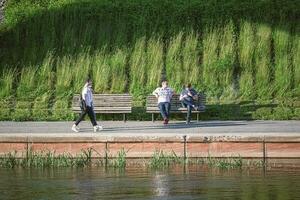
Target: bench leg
(197,117)
(124,117)
(153,117)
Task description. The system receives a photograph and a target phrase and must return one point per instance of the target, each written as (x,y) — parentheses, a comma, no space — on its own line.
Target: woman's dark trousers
(90,111)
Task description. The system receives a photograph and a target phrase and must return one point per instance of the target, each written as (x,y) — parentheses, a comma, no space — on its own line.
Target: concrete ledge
(144,146)
(134,138)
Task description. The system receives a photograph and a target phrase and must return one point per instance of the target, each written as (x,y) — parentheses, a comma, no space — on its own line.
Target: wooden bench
(107,104)
(176,106)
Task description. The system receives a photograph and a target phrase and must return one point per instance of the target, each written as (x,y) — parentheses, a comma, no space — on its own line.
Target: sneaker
(196,108)
(75,128)
(98,128)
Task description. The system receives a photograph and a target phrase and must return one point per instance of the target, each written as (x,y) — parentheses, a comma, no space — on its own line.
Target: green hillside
(245,55)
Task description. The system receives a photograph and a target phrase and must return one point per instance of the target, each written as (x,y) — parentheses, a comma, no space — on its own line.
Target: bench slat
(107,103)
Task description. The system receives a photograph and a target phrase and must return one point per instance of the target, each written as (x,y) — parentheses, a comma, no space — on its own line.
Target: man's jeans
(164,108)
(189,105)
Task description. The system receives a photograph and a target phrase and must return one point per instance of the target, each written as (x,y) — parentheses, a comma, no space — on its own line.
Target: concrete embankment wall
(144,147)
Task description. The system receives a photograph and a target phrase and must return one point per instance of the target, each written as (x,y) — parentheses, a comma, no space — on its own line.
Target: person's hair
(188,85)
(88,79)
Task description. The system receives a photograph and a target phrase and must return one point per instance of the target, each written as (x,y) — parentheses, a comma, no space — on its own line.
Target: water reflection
(160,184)
(192,182)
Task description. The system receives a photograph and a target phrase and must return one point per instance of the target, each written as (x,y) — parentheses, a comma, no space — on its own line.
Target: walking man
(164,95)
(87,107)
(188,96)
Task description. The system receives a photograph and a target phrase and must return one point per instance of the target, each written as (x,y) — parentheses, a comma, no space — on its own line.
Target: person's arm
(155,92)
(195,95)
(85,97)
(182,96)
(84,93)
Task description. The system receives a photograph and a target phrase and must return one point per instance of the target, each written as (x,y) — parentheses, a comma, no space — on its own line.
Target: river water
(178,182)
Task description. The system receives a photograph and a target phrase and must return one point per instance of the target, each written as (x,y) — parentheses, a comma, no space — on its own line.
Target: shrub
(262,113)
(40,110)
(61,110)
(282,113)
(22,111)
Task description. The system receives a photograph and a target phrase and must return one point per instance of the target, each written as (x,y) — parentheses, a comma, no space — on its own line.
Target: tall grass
(210,60)
(27,84)
(174,68)
(226,61)
(6,83)
(44,90)
(129,46)
(138,70)
(283,67)
(154,62)
(118,74)
(161,159)
(26,92)
(80,67)
(64,76)
(191,60)
(101,72)
(63,89)
(246,55)
(120,161)
(262,59)
(47,159)
(182,60)
(296,62)
(6,93)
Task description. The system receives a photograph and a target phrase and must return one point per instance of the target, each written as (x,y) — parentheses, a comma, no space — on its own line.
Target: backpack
(82,103)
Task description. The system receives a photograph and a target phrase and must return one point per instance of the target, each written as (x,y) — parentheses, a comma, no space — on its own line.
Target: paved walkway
(146,128)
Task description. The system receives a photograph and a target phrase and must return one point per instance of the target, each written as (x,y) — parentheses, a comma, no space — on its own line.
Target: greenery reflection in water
(176,182)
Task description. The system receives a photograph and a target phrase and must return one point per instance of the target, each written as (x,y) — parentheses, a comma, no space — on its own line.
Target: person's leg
(91,114)
(162,110)
(81,117)
(167,108)
(189,112)
(188,103)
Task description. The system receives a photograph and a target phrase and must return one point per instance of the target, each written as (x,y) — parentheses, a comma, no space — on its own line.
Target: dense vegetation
(243,54)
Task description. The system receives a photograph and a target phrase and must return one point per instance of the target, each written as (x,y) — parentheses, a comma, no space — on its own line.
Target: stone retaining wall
(139,147)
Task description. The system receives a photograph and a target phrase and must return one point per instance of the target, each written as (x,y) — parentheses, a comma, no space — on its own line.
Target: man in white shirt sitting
(164,95)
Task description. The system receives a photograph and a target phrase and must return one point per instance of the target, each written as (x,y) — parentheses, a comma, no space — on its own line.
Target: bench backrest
(151,104)
(107,103)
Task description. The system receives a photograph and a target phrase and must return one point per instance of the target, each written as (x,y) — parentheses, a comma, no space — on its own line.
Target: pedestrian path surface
(146,128)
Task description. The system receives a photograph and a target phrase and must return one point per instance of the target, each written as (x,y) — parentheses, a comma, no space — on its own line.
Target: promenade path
(147,128)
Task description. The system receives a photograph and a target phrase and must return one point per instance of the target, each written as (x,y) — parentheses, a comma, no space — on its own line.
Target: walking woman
(87,107)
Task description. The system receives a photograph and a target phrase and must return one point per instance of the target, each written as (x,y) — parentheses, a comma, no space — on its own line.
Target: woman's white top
(87,95)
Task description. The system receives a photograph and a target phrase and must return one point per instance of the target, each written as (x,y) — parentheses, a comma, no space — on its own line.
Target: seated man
(164,95)
(187,98)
